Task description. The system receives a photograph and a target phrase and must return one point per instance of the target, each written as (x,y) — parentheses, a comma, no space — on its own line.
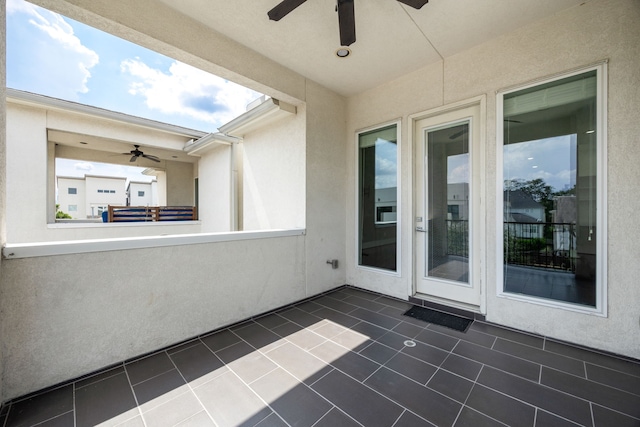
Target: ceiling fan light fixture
(343,52)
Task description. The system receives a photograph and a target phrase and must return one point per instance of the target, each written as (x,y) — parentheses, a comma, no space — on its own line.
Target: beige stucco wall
(325,188)
(596,30)
(273,174)
(180,184)
(64,316)
(214,182)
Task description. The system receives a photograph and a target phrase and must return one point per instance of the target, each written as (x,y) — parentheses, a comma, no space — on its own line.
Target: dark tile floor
(342,359)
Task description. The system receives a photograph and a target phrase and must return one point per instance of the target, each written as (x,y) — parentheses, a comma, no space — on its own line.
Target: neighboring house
(72,196)
(88,197)
(288,175)
(458,201)
(140,193)
(386,205)
(523,216)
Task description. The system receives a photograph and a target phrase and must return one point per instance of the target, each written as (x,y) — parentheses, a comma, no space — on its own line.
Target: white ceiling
(107,150)
(392,39)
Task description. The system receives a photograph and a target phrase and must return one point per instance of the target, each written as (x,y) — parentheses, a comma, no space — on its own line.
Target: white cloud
(84,166)
(186,90)
(56,47)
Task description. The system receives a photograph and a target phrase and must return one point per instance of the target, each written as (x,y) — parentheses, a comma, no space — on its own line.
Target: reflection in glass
(448,203)
(378,199)
(549,190)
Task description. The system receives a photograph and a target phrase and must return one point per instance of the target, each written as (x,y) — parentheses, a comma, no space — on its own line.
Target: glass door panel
(448,203)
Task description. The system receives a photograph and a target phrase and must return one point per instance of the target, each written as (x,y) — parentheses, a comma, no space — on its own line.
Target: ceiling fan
(135,153)
(346,15)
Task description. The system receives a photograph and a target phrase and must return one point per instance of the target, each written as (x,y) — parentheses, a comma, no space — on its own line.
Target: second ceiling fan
(346,15)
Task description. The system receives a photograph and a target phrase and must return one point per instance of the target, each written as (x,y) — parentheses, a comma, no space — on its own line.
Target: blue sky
(52,55)
(55,56)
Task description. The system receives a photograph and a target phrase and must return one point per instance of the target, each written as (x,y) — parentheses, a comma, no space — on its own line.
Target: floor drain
(410,343)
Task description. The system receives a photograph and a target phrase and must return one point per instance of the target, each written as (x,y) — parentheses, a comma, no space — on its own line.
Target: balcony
(527,244)
(348,358)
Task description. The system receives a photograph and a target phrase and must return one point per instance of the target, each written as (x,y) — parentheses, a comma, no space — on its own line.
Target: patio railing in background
(534,244)
(541,244)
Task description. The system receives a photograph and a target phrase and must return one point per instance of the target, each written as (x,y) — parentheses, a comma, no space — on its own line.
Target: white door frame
(415,138)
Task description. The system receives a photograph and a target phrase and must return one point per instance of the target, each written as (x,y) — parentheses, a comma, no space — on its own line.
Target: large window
(378,198)
(552,225)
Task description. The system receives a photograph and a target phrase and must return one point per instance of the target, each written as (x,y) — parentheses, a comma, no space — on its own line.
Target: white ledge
(29,250)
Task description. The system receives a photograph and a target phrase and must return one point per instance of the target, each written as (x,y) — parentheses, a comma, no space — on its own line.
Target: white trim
(265,113)
(601,184)
(398,270)
(415,138)
(208,142)
(476,100)
(28,250)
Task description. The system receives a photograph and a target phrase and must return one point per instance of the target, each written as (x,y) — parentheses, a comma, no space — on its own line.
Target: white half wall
(67,315)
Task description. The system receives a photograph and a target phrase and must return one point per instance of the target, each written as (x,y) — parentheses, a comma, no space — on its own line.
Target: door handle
(420,229)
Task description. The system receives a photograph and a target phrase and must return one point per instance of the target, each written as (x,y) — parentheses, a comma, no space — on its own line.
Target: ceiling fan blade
(133,158)
(417,4)
(283,9)
(150,157)
(347,22)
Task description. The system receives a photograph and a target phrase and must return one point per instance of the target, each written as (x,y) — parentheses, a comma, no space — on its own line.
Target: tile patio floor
(340,360)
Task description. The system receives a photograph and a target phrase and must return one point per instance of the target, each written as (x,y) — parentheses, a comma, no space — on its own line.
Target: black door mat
(439,318)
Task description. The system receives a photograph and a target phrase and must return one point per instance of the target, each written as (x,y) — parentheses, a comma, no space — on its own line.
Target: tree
(60,214)
(536,188)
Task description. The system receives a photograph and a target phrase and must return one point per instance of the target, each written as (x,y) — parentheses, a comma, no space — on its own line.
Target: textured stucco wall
(214,186)
(64,316)
(180,184)
(26,179)
(273,169)
(325,187)
(596,30)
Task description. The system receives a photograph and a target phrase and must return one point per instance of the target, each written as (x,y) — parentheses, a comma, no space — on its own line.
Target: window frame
(398,223)
(600,308)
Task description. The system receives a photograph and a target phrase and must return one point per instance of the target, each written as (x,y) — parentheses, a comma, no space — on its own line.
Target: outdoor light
(343,52)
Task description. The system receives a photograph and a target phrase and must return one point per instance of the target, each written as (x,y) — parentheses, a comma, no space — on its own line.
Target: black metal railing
(458,237)
(541,244)
(532,244)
